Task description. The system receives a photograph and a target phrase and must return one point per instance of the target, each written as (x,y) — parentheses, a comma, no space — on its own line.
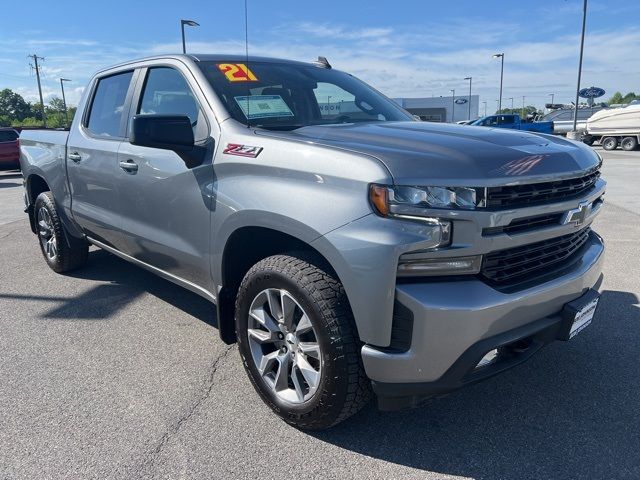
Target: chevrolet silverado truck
(514,122)
(351,252)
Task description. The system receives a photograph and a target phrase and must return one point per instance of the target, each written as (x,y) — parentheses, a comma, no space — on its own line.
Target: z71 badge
(242,150)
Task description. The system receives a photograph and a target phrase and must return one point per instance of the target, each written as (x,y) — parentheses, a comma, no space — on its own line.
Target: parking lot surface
(111,372)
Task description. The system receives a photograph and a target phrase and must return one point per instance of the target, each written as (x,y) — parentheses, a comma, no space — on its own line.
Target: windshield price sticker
(263,106)
(237,72)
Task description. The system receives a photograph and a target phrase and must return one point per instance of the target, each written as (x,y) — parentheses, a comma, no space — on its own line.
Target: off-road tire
(343,388)
(67,258)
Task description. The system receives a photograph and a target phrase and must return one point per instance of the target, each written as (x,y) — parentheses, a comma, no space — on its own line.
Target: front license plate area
(577,315)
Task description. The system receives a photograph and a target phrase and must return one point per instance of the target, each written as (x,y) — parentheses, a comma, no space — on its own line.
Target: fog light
(489,358)
(410,266)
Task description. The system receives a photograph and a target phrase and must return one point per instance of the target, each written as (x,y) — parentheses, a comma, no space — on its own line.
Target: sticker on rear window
(263,106)
(237,72)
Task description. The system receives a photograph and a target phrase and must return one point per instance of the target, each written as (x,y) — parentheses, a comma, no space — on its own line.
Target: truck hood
(419,153)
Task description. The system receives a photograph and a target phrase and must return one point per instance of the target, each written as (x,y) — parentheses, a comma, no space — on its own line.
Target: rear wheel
(609,143)
(629,143)
(53,243)
(298,342)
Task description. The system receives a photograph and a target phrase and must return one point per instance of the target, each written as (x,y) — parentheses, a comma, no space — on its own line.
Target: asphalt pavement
(113,373)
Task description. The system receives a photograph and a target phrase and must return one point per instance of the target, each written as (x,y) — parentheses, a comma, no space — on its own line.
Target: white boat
(615,121)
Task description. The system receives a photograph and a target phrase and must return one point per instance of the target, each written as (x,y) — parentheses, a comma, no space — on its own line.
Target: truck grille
(533,193)
(524,263)
(527,224)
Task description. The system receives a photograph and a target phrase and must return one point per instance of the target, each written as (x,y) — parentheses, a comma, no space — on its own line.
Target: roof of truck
(208,57)
(216,57)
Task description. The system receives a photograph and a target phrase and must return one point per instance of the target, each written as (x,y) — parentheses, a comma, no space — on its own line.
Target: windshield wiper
(279,127)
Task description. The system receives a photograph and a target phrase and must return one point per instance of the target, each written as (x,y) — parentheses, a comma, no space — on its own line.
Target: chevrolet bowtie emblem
(578,215)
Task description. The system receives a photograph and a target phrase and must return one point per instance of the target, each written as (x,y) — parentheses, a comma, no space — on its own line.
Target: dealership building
(442,109)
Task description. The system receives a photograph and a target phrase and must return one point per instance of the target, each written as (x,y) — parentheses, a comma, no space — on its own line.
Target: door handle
(129,166)
(75,156)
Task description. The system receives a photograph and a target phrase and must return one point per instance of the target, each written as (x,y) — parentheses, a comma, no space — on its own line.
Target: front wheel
(58,254)
(609,143)
(298,342)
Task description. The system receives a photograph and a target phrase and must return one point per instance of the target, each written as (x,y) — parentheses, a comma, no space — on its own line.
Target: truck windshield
(286,96)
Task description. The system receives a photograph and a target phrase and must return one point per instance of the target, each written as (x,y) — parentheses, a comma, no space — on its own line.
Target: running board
(161,273)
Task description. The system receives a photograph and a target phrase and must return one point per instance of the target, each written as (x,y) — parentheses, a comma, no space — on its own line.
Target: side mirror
(168,132)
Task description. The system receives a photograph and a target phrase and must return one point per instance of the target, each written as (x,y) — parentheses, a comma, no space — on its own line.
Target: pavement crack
(7,234)
(150,456)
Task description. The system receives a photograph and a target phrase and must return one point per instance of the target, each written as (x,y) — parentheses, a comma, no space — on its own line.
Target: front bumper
(455,323)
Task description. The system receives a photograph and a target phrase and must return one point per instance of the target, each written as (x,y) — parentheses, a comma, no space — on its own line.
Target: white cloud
(410,61)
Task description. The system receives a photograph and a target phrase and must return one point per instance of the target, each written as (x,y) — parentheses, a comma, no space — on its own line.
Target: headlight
(409,203)
(405,200)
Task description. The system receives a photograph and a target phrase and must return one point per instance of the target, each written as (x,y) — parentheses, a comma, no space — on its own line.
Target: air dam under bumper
(457,322)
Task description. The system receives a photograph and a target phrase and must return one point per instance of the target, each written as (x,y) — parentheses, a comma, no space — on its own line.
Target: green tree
(619,98)
(13,106)
(55,105)
(616,98)
(528,110)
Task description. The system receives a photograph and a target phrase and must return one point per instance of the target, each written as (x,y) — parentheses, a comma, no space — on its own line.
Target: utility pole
(190,23)
(511,98)
(575,110)
(501,57)
(470,80)
(522,107)
(64,101)
(37,69)
(453,105)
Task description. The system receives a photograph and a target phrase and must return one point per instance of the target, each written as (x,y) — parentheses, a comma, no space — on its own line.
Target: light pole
(64,100)
(552,95)
(584,25)
(523,106)
(511,98)
(485,109)
(190,23)
(453,105)
(501,57)
(470,80)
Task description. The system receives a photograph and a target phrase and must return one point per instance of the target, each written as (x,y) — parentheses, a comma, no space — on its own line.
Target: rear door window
(108,103)
(8,136)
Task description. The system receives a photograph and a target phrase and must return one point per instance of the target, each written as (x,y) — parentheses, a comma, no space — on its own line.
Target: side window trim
(127,103)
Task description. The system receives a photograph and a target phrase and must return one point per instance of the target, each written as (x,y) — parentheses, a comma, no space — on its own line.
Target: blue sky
(403,48)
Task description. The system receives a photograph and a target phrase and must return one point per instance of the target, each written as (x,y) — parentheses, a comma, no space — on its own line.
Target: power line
(37,69)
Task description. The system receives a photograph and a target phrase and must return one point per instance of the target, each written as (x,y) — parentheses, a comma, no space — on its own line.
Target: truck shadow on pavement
(126,283)
(570,412)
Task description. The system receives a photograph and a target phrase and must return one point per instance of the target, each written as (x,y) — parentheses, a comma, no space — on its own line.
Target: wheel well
(35,186)
(246,247)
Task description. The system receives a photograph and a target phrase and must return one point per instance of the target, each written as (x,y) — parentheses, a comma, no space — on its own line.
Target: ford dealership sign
(591,92)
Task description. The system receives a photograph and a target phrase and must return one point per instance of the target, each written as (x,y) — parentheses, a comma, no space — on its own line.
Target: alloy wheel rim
(284,346)
(47,234)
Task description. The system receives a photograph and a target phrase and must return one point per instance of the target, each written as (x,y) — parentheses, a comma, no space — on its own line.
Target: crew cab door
(92,158)
(166,206)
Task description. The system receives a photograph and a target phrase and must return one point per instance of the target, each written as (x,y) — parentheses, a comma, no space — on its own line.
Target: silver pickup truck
(350,250)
